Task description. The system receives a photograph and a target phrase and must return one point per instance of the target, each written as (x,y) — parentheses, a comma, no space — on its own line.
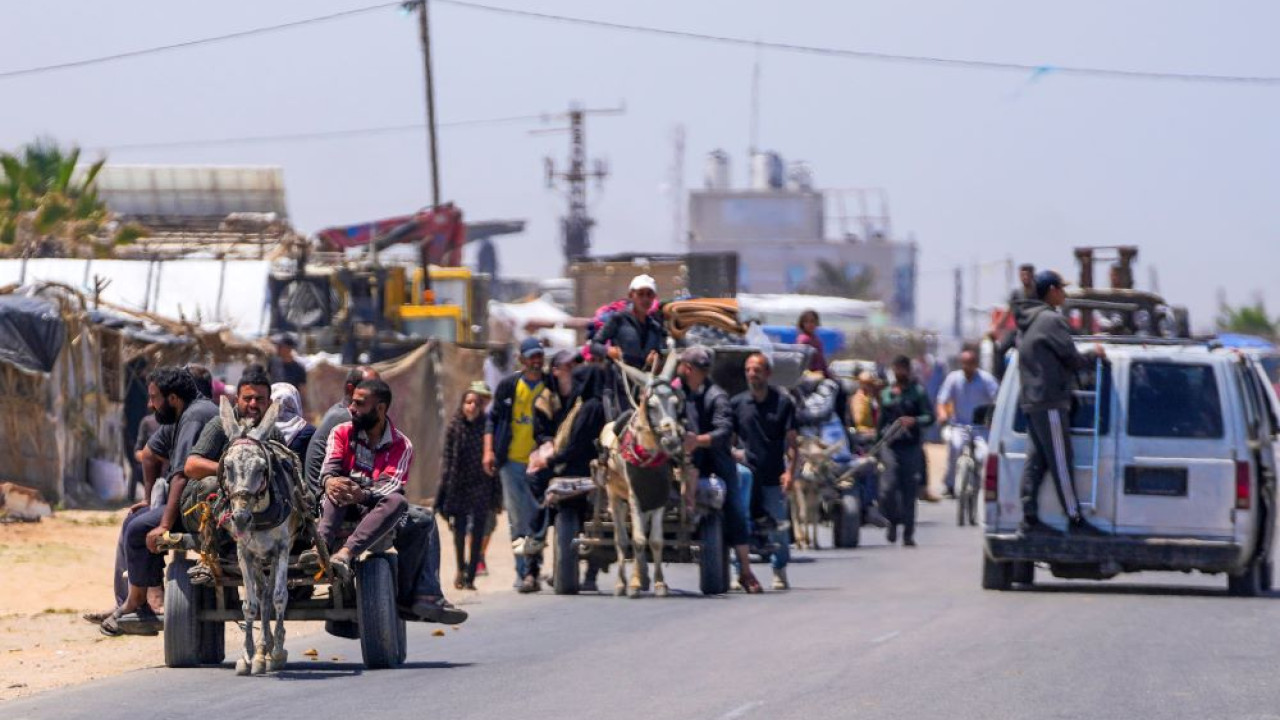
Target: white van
(1185,470)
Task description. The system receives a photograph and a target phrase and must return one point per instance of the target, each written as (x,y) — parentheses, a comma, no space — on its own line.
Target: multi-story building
(792,238)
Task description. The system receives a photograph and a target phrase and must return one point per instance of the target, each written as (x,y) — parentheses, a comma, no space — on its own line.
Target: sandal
(110,625)
(750,585)
(200,574)
(97,617)
(459,581)
(340,569)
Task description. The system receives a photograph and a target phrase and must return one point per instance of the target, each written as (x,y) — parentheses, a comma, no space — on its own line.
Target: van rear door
(1176,472)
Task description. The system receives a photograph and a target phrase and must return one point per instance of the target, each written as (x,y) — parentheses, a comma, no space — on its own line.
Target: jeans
(956,439)
(737,498)
(737,501)
(775,502)
(522,507)
(417,543)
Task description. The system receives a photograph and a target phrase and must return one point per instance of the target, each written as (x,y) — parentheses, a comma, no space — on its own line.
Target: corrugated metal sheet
(192,191)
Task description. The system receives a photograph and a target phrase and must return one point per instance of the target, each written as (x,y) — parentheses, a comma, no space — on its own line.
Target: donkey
(639,465)
(265,518)
(814,483)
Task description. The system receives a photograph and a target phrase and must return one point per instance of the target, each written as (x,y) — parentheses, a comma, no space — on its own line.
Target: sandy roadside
(52,571)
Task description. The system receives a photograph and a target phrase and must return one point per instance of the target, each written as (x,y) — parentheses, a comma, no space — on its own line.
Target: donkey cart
(362,608)
(688,537)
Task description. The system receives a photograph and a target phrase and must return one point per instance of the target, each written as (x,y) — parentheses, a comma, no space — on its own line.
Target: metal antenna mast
(576,225)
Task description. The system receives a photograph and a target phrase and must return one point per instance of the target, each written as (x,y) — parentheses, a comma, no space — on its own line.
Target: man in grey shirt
(964,391)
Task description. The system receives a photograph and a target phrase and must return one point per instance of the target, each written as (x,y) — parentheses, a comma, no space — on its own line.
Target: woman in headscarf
(467,496)
(292,425)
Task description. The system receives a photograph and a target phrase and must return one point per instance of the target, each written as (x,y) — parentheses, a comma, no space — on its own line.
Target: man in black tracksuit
(1047,365)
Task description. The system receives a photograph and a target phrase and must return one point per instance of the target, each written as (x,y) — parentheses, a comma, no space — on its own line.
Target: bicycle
(967,482)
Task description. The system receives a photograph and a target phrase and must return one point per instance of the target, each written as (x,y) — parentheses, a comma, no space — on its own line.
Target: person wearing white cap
(637,335)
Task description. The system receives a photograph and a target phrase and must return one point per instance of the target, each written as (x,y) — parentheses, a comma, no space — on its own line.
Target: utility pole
(677,190)
(424,31)
(957,322)
(576,225)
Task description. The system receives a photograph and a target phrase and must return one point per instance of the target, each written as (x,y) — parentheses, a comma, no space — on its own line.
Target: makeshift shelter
(67,374)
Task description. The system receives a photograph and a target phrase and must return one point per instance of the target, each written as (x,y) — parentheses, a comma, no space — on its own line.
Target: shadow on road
(327,670)
(1128,589)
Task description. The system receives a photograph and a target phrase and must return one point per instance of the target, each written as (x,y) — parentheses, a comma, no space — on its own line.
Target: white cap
(644,282)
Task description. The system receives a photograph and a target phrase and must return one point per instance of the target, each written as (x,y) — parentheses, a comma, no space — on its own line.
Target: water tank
(767,172)
(717,170)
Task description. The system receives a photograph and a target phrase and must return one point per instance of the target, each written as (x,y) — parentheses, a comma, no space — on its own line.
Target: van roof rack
(1148,340)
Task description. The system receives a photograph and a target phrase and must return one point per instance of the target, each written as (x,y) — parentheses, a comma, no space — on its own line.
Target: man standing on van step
(1047,365)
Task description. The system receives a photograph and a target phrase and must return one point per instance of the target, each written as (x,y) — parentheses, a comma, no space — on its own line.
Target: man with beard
(172,392)
(708,443)
(365,469)
(765,422)
(417,539)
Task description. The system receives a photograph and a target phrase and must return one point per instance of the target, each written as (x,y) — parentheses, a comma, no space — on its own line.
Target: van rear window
(1174,400)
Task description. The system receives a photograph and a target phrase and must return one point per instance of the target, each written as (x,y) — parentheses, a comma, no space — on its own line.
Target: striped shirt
(385,465)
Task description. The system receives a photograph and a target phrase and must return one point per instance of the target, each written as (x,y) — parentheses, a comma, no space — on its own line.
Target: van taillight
(991,478)
(1244,485)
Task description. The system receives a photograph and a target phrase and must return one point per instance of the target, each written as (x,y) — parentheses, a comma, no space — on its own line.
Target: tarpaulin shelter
(66,372)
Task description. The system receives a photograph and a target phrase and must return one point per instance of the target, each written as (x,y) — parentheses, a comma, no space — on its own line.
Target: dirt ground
(54,570)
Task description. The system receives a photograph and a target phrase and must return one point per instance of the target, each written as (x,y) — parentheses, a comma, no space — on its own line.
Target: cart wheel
(376,608)
(213,635)
(713,559)
(181,630)
(566,555)
(846,525)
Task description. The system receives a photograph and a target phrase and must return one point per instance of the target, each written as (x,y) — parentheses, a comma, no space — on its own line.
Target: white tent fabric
(508,322)
(231,293)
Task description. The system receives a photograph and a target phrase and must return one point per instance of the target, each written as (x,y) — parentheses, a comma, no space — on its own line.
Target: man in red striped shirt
(366,465)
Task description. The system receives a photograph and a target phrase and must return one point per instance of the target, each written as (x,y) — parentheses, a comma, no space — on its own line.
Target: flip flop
(750,585)
(97,617)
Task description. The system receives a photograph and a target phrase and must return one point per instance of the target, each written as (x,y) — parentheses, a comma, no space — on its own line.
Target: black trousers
(1049,452)
(900,485)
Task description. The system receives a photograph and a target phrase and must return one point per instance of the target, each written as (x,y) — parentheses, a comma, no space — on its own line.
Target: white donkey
(640,462)
(265,519)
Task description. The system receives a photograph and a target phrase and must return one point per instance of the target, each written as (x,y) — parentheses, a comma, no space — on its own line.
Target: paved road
(877,632)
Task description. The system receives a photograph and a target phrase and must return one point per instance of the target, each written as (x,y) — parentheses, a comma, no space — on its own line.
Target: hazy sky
(979,165)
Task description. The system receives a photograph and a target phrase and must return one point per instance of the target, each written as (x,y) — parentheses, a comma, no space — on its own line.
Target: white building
(782,230)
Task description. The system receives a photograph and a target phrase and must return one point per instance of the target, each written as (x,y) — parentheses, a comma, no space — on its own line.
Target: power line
(875,55)
(319,134)
(5,75)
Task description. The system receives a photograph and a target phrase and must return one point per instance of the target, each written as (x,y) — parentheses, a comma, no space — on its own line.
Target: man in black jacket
(635,336)
(708,442)
(1047,365)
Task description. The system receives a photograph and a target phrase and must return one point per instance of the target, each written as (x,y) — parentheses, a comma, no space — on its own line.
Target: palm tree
(48,210)
(1249,320)
(831,279)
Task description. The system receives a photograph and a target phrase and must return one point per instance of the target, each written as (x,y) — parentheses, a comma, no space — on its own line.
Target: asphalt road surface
(876,632)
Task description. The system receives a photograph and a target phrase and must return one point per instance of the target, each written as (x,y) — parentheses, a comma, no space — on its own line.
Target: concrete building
(793,238)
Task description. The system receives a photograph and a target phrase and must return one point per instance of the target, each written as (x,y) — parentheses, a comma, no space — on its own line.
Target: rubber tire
(402,638)
(963,509)
(181,602)
(1023,573)
(996,575)
(565,555)
(1247,583)
(213,635)
(343,629)
(376,610)
(846,522)
(1268,572)
(713,558)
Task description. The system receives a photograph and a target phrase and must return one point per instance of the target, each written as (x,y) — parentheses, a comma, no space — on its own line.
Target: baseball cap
(530,347)
(563,357)
(1046,279)
(286,340)
(697,356)
(644,282)
(480,388)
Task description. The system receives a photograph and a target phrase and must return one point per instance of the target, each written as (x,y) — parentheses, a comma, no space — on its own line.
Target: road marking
(741,711)
(886,637)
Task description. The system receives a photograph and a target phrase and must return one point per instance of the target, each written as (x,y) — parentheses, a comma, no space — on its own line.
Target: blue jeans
(737,500)
(521,506)
(775,502)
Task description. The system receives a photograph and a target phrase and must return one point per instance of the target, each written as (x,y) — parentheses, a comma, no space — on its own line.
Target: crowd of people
(521,426)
